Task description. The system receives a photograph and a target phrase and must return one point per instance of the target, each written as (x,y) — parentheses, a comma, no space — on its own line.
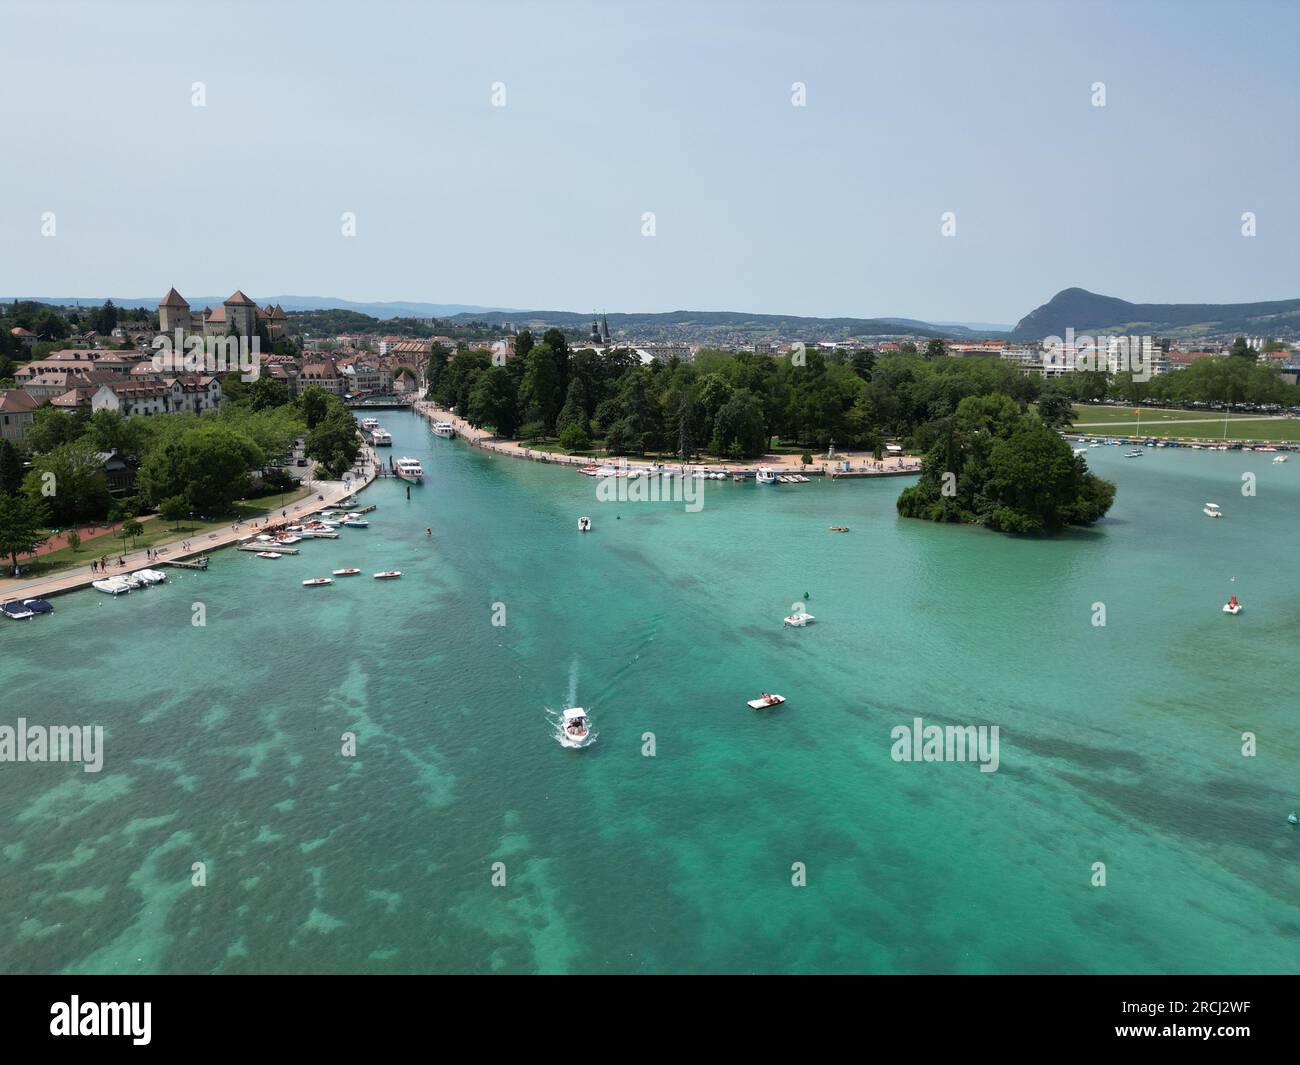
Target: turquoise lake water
(1119,744)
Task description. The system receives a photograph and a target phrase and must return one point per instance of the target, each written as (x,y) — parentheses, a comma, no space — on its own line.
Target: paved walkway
(71,579)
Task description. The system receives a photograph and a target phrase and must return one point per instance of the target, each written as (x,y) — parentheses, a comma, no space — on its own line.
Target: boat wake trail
(573,682)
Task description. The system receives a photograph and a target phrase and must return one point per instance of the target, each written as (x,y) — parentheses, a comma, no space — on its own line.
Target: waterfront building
(323,374)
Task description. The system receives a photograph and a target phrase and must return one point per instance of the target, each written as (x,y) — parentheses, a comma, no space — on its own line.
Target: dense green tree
(71,481)
(314,402)
(22,526)
(334,442)
(540,394)
(1241,349)
(266,392)
(574,412)
(174,509)
(11,468)
(1056,408)
(131,529)
(994,466)
(574,437)
(103,320)
(51,427)
(738,430)
(493,402)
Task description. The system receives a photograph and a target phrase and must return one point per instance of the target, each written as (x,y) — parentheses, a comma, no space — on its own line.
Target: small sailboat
(765,700)
(316,582)
(584,524)
(349,571)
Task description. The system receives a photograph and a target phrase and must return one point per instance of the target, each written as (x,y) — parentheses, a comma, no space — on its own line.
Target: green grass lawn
(1184,424)
(156,531)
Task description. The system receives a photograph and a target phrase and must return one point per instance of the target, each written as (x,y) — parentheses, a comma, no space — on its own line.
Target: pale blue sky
(617,108)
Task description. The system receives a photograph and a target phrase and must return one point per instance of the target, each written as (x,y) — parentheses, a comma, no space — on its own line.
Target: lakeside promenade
(862,464)
(324,495)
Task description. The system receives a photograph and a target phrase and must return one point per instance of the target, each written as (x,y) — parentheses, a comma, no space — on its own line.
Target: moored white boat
(151,576)
(444,429)
(269,554)
(765,476)
(409,469)
(112,586)
(381,437)
(357,523)
(22,609)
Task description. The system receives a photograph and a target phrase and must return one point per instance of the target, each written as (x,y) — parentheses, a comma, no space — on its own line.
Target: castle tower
(241,314)
(173,313)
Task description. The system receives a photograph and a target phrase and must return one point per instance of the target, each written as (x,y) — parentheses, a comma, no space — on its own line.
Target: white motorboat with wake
(574,728)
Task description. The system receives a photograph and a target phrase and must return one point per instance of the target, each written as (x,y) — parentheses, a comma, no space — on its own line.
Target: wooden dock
(188,563)
(279,549)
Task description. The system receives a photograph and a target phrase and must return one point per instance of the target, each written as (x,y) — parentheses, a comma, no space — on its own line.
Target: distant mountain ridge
(722,325)
(707,326)
(1087,312)
(380,309)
